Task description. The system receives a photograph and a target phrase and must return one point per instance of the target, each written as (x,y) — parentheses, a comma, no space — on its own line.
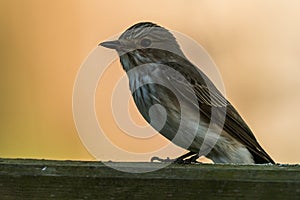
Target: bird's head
(144,42)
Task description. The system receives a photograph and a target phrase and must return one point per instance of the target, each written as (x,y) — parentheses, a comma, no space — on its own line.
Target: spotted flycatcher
(160,74)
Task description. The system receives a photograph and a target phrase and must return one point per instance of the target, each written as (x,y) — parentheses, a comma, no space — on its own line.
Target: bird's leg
(179,160)
(192,159)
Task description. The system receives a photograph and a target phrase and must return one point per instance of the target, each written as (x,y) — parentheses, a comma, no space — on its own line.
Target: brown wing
(210,97)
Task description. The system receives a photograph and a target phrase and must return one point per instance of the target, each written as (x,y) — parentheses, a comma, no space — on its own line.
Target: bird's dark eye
(145,42)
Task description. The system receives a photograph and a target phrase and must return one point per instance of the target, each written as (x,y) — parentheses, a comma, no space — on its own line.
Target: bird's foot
(191,160)
(180,160)
(167,160)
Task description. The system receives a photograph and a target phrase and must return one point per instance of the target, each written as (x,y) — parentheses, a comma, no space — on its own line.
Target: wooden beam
(46,179)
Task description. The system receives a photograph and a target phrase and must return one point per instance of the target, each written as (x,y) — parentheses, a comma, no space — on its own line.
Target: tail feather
(258,159)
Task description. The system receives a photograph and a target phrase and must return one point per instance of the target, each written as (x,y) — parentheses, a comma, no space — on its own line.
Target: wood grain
(45,179)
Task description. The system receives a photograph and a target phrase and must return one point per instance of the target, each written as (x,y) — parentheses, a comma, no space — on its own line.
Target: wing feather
(209,96)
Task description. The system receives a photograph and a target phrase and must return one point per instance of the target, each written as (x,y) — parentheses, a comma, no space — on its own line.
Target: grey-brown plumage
(147,44)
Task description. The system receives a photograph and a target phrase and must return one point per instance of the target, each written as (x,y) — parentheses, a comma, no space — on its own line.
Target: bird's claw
(191,160)
(167,160)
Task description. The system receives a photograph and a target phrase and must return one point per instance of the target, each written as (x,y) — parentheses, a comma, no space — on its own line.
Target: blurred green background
(255,44)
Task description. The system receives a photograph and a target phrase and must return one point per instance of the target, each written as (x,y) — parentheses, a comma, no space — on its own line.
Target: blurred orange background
(255,44)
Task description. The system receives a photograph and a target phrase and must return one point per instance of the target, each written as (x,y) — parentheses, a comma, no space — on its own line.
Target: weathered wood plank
(44,179)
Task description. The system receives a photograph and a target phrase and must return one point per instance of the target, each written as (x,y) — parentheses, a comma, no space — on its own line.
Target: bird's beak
(115,44)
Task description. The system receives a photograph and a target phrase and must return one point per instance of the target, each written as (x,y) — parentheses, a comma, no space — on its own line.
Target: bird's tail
(259,159)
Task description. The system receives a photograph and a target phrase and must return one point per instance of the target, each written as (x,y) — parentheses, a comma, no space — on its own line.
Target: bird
(160,75)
